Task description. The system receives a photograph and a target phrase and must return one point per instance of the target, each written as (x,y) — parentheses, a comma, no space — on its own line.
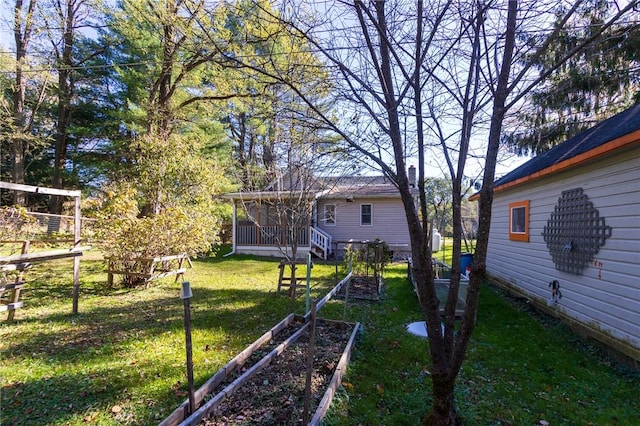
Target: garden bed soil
(269,386)
(276,394)
(362,287)
(265,383)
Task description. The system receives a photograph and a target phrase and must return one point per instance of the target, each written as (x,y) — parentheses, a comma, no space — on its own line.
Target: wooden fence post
(310,354)
(186,295)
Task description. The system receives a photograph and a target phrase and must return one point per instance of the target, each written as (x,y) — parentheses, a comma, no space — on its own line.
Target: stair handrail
(322,240)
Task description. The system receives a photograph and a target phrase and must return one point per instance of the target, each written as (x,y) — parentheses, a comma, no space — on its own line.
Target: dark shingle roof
(615,127)
(332,187)
(363,186)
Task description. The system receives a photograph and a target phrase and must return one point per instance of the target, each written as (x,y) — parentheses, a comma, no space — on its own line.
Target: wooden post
(77,224)
(346,291)
(25,246)
(234,225)
(76,283)
(346,300)
(180,260)
(15,297)
(148,267)
(186,295)
(377,267)
(294,281)
(281,276)
(18,282)
(308,289)
(310,353)
(335,256)
(112,267)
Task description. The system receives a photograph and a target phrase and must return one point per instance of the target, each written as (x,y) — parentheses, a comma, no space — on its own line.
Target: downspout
(233,230)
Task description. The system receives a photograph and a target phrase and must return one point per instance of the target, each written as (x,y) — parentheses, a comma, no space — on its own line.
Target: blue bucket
(466,259)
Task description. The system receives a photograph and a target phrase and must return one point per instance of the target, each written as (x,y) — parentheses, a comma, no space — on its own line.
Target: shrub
(16,223)
(165,207)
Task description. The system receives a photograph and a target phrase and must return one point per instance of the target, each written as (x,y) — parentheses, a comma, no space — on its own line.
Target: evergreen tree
(600,81)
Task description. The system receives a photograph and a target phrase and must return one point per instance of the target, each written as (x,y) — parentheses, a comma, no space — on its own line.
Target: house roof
(372,191)
(333,187)
(617,132)
(359,186)
(268,195)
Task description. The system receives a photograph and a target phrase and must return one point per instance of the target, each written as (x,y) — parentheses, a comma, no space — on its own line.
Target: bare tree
(305,166)
(409,79)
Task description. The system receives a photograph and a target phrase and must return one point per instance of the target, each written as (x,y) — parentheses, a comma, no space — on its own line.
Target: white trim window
(366,214)
(330,215)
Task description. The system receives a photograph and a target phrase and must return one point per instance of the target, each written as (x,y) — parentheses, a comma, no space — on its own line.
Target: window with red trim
(519,221)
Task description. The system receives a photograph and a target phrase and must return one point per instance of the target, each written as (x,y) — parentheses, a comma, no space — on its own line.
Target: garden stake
(186,295)
(308,291)
(335,256)
(346,291)
(366,264)
(346,300)
(310,353)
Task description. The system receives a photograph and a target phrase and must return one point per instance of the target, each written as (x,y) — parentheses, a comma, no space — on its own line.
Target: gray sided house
(565,232)
(322,216)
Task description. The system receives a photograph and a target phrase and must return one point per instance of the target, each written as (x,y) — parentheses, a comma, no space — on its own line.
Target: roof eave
(267,195)
(600,151)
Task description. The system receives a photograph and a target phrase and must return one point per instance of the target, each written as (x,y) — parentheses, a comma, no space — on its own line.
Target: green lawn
(445,254)
(121,360)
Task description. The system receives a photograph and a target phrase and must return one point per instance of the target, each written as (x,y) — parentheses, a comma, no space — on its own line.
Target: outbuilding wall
(605,298)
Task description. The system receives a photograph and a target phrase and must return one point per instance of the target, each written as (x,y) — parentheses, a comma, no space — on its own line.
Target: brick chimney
(412,176)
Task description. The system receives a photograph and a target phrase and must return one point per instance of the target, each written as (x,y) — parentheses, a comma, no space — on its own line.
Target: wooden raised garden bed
(266,382)
(362,287)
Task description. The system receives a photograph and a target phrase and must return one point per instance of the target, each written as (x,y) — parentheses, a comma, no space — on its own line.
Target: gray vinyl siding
(389,220)
(607,294)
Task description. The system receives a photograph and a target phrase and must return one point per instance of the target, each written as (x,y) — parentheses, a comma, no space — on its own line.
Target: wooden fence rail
(14,266)
(148,268)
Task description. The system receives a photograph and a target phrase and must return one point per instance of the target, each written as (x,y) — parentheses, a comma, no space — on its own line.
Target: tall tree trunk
(165,80)
(443,412)
(22,27)
(159,119)
(65,95)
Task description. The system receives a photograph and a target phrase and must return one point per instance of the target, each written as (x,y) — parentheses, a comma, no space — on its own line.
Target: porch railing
(271,235)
